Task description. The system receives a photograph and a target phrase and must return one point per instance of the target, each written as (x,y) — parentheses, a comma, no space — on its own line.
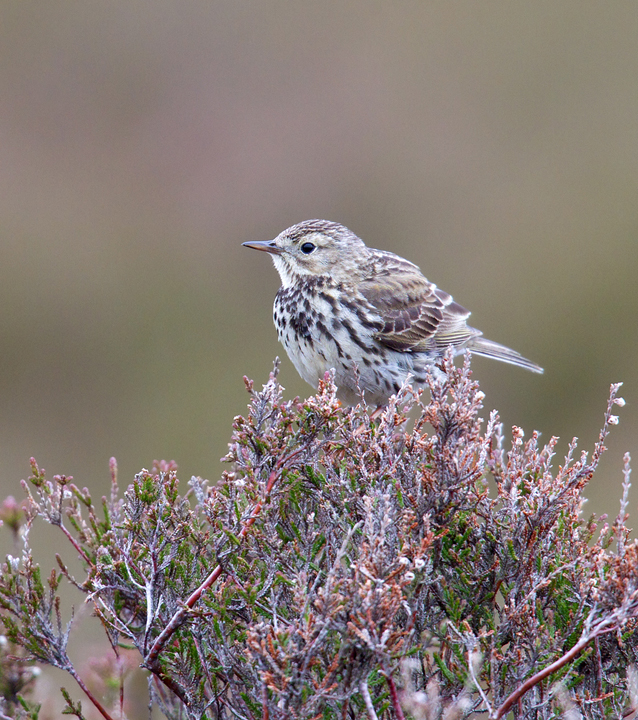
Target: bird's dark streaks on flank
(369,314)
(330,299)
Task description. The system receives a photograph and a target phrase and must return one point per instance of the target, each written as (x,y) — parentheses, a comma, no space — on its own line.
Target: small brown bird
(364,312)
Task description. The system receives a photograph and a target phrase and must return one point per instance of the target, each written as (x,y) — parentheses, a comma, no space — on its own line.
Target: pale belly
(317,342)
(378,373)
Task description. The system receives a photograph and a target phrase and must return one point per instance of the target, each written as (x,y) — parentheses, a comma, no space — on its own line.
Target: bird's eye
(307,248)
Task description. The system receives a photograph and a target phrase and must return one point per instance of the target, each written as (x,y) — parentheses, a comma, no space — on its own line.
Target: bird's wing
(417,316)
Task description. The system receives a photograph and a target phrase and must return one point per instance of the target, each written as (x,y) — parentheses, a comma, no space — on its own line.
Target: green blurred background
(495,144)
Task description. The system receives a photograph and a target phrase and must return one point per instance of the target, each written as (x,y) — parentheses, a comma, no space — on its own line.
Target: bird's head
(315,248)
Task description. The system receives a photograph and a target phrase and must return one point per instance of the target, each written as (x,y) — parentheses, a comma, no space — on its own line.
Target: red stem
(264,703)
(394,696)
(542,674)
(180,615)
(101,709)
(75,544)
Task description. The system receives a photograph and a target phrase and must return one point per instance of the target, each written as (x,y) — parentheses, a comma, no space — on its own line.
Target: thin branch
(264,703)
(394,696)
(472,657)
(179,617)
(365,694)
(98,705)
(605,626)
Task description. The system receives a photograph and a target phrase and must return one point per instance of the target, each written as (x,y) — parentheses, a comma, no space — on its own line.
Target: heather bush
(349,564)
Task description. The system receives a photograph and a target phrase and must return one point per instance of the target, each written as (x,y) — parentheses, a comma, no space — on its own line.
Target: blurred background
(494,144)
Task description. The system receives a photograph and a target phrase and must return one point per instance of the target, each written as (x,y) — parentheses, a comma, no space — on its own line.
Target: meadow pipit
(369,314)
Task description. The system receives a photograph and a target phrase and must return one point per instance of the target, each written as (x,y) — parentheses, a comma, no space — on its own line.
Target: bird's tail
(482,346)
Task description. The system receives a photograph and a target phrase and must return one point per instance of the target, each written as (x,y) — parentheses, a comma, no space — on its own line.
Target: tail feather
(488,348)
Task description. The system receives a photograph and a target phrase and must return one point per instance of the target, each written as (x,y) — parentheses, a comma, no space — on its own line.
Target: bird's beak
(264,245)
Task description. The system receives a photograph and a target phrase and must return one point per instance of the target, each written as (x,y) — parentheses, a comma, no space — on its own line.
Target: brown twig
(150,662)
(264,703)
(394,697)
(98,705)
(604,627)
(76,545)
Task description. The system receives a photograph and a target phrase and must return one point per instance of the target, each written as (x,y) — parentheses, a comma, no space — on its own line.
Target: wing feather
(417,316)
